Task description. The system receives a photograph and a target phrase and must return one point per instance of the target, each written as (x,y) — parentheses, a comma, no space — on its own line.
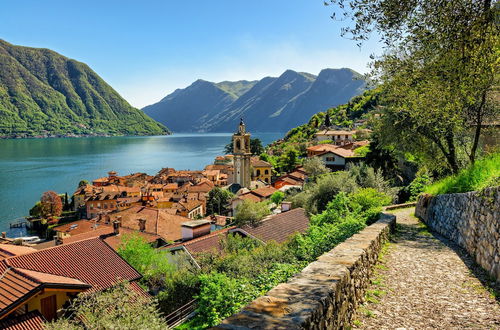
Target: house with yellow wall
(261,170)
(41,282)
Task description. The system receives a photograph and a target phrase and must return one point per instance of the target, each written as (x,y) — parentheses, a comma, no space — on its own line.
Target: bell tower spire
(242,154)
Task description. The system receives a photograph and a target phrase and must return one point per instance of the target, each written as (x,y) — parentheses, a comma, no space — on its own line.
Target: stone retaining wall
(472,220)
(326,293)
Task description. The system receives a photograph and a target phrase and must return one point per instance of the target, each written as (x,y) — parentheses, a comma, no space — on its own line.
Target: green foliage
(36,210)
(116,308)
(221,296)
(277,197)
(218,201)
(484,173)
(288,161)
(439,72)
(256,147)
(418,185)
(250,213)
(362,151)
(82,183)
(315,167)
(153,264)
(42,92)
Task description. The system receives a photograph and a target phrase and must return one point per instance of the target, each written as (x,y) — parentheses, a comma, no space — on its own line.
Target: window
(330,159)
(258,172)
(266,171)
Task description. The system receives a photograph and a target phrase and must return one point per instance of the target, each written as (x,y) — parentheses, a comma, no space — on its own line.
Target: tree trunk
(477,133)
(451,156)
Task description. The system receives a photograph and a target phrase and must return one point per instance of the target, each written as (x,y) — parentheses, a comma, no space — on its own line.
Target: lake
(28,167)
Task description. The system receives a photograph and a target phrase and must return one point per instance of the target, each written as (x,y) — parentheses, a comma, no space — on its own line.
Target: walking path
(426,282)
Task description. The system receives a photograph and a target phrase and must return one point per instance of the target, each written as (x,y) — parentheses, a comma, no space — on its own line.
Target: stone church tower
(242,154)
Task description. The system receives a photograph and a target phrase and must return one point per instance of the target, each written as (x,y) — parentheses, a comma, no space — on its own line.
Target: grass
(484,173)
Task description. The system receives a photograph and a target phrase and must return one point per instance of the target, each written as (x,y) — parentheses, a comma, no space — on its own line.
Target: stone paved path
(427,282)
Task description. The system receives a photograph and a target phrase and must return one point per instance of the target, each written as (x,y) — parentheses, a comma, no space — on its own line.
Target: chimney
(142,224)
(286,206)
(116,227)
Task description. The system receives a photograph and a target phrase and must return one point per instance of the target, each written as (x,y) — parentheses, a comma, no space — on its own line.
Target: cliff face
(269,105)
(43,92)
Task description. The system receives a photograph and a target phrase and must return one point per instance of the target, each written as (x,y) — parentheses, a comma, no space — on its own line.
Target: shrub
(250,213)
(277,197)
(418,185)
(153,264)
(484,173)
(117,308)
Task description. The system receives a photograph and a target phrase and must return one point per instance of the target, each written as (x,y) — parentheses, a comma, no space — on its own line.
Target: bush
(418,185)
(153,264)
(484,173)
(117,308)
(250,213)
(277,197)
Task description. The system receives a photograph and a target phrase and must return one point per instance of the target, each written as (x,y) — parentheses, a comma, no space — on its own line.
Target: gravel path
(426,282)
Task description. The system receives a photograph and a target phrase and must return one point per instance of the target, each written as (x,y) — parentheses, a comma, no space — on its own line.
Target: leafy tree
(218,201)
(36,210)
(439,72)
(256,147)
(277,197)
(250,213)
(315,167)
(82,183)
(288,161)
(50,204)
(153,264)
(117,308)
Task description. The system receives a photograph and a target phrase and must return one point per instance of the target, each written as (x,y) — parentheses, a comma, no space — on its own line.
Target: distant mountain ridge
(45,93)
(272,104)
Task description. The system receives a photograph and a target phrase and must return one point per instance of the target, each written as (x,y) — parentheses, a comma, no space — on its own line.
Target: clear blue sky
(146,49)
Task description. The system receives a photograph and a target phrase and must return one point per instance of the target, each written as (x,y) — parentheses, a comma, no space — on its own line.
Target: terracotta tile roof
(158,221)
(106,233)
(335,132)
(264,191)
(10,250)
(29,321)
(190,204)
(298,175)
(251,197)
(280,227)
(77,227)
(256,162)
(344,153)
(171,186)
(206,243)
(91,261)
(100,231)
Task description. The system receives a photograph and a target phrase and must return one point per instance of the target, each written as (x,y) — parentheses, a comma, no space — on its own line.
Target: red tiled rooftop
(29,321)
(279,227)
(264,191)
(205,243)
(10,250)
(91,261)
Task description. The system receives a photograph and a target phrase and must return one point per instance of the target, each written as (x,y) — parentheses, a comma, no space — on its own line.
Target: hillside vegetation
(483,173)
(45,93)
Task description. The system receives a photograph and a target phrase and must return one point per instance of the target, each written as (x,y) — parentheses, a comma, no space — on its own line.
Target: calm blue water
(30,167)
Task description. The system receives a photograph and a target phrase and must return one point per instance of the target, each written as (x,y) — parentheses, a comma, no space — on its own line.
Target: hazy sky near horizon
(147,49)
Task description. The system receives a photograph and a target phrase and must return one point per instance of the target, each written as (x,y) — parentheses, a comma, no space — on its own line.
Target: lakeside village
(183,212)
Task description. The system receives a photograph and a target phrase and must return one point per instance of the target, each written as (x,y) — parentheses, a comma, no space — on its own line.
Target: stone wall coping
(325,293)
(400,206)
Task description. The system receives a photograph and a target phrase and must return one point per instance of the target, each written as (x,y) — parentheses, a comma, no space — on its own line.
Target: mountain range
(45,93)
(272,104)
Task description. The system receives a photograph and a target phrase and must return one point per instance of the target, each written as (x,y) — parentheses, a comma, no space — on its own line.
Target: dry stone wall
(472,220)
(326,293)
